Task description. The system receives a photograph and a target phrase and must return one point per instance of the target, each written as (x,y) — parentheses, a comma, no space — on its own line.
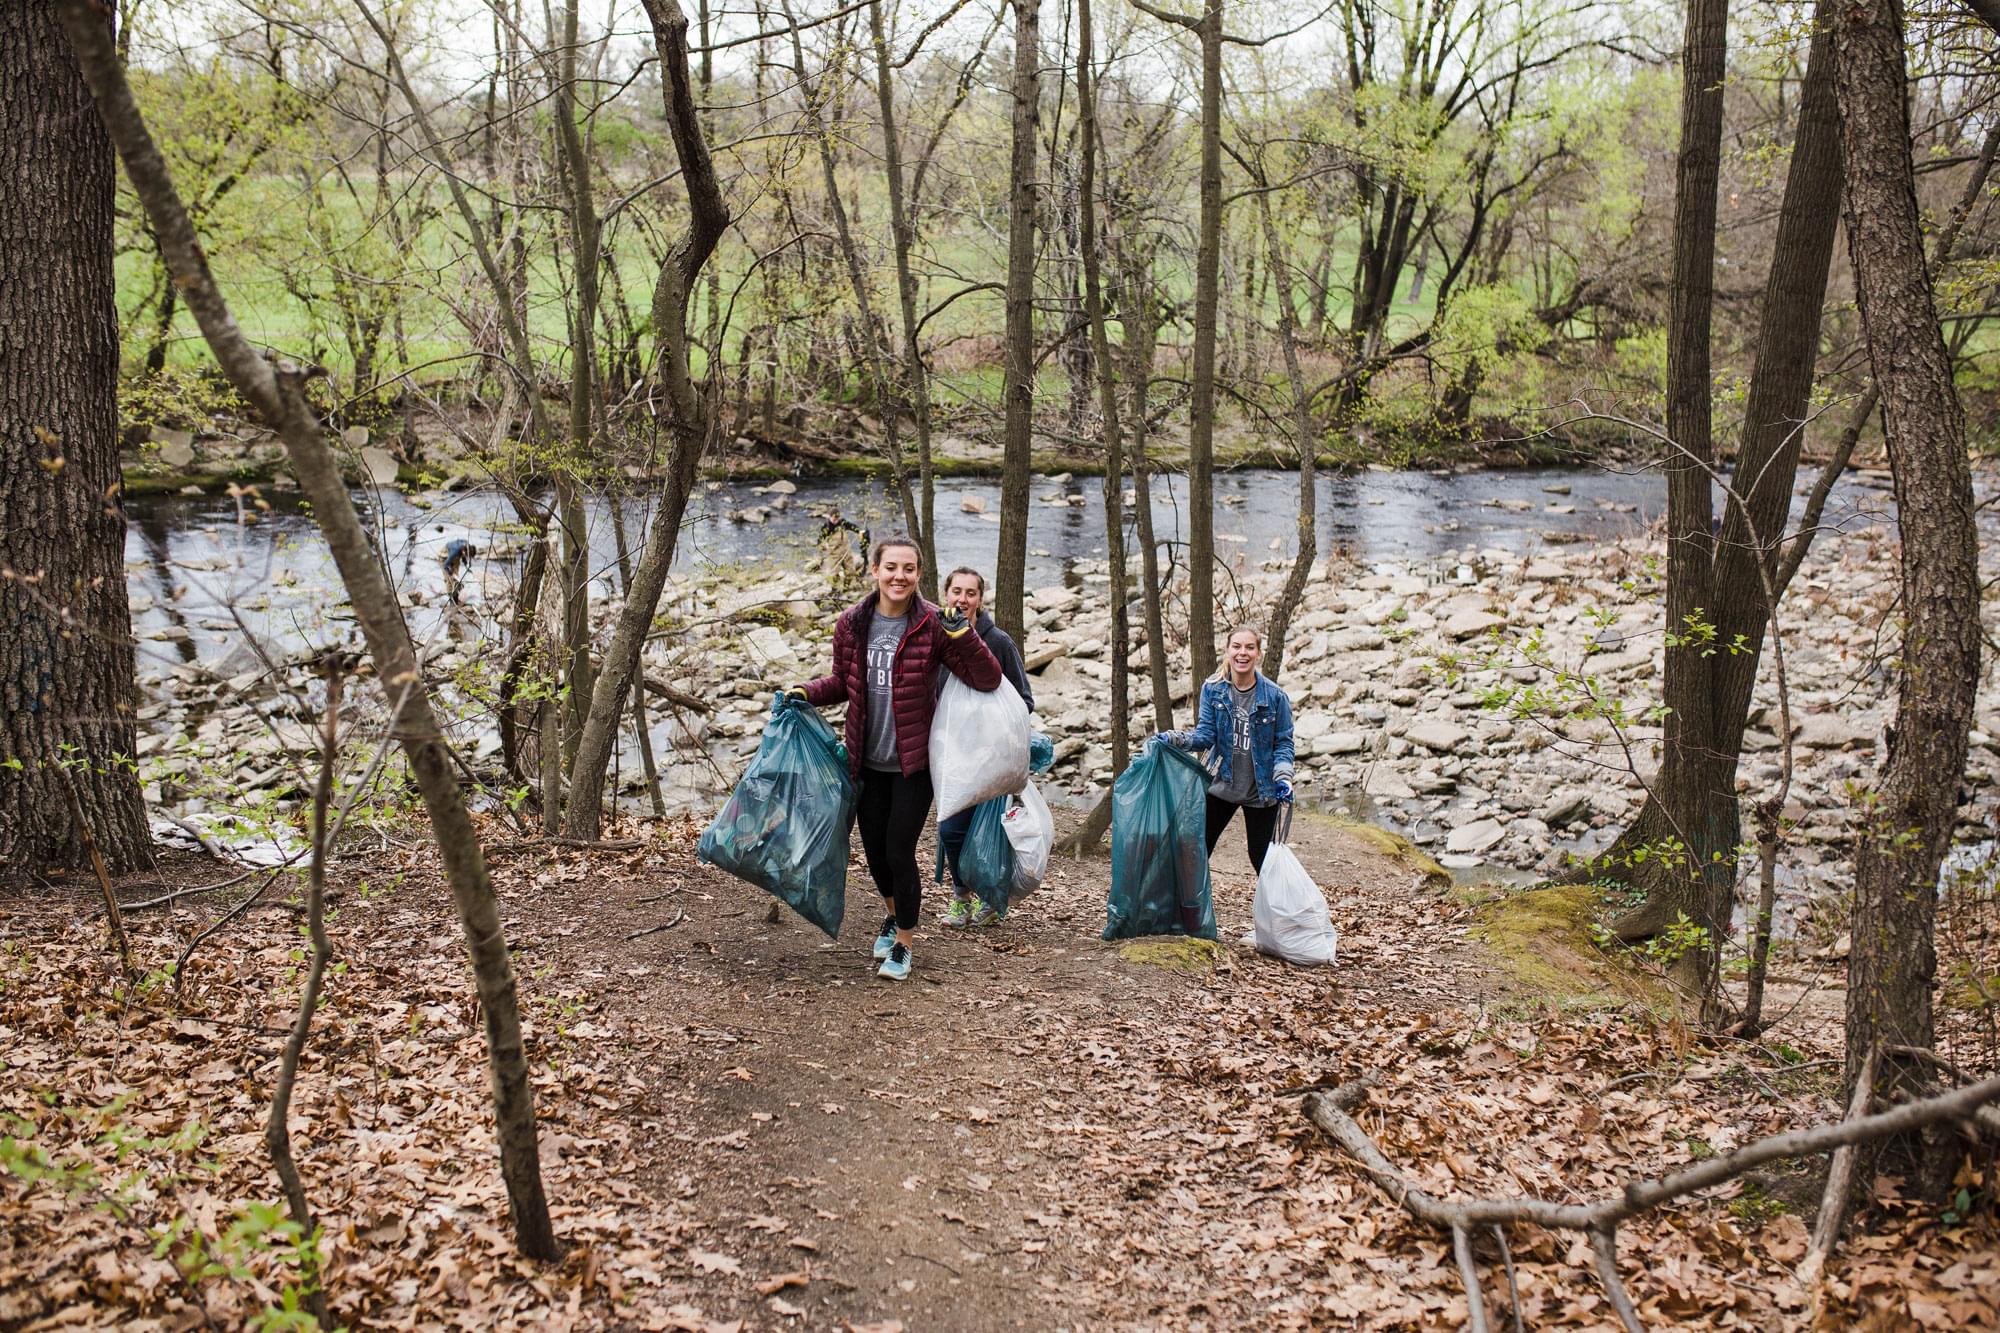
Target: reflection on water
(194,568)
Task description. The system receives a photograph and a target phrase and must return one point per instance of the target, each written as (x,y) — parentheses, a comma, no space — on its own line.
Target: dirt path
(744,1129)
(1033,1132)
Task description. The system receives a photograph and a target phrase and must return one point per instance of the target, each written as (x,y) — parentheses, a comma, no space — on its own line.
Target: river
(198,565)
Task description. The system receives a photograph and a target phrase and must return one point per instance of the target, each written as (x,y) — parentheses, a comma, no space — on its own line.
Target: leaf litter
(1049,1135)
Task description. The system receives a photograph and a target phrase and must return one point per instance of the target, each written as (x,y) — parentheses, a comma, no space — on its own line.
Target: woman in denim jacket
(1246,722)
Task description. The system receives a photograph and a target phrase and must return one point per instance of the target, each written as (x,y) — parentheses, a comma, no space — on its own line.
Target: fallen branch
(1839,1182)
(654,930)
(1600,1220)
(679,698)
(208,844)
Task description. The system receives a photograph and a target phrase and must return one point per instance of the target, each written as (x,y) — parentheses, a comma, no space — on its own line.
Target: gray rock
(1836,731)
(1564,807)
(1340,742)
(1476,837)
(378,463)
(1384,783)
(1437,734)
(176,446)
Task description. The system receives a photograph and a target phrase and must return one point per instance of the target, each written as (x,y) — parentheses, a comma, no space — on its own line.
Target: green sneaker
(984,915)
(958,913)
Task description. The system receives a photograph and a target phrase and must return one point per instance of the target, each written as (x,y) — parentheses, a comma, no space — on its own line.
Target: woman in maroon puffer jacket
(887,651)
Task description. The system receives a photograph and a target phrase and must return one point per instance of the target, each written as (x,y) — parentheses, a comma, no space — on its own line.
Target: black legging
(1259,823)
(891,815)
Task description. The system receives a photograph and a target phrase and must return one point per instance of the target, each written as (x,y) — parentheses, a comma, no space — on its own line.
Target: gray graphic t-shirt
(1242,788)
(885,635)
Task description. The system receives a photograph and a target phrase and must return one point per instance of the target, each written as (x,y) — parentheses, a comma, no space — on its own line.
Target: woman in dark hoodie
(965,592)
(887,651)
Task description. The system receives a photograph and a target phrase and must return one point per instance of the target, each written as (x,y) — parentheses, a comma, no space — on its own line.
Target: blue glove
(1284,791)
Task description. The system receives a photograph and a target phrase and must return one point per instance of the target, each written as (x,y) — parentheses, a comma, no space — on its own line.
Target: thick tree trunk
(1699,881)
(1767,462)
(1909,818)
(275,392)
(66,653)
(1018,385)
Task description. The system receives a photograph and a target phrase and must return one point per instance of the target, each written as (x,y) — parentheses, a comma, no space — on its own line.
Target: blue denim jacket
(1270,733)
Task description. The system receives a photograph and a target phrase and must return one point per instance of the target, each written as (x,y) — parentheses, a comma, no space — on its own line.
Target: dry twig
(277,1129)
(1839,1182)
(1600,1220)
(111,912)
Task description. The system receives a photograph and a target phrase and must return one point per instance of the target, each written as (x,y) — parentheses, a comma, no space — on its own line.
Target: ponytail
(1222,667)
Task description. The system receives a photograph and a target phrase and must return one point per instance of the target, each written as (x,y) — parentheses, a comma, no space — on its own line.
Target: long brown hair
(875,556)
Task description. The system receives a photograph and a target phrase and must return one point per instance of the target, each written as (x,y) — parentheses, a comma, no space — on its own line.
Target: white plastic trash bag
(979,745)
(1031,830)
(1290,915)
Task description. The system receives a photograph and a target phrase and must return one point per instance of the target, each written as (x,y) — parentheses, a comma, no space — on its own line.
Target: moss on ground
(1398,849)
(1545,939)
(1178,953)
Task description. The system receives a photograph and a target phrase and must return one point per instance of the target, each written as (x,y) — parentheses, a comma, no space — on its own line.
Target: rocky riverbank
(1443,699)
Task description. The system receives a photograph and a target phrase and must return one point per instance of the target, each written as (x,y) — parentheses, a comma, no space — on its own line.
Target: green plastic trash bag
(784,828)
(1159,852)
(986,862)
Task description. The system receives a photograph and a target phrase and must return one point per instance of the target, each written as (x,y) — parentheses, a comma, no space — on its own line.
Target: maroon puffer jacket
(925,648)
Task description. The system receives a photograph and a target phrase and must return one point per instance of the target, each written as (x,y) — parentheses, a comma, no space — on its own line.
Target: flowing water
(196,569)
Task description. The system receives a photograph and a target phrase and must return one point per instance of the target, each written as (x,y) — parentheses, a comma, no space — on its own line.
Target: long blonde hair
(1222,667)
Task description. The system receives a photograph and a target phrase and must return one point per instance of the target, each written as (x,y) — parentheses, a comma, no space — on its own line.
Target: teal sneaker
(958,913)
(984,915)
(896,967)
(887,939)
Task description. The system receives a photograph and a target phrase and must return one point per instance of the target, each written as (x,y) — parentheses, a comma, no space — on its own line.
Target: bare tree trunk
(1910,816)
(585,240)
(642,729)
(66,652)
(902,235)
(1207,293)
(691,421)
(1141,326)
(1107,397)
(275,391)
(277,1127)
(1294,590)
(1774,426)
(871,335)
(1697,885)
(1018,384)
